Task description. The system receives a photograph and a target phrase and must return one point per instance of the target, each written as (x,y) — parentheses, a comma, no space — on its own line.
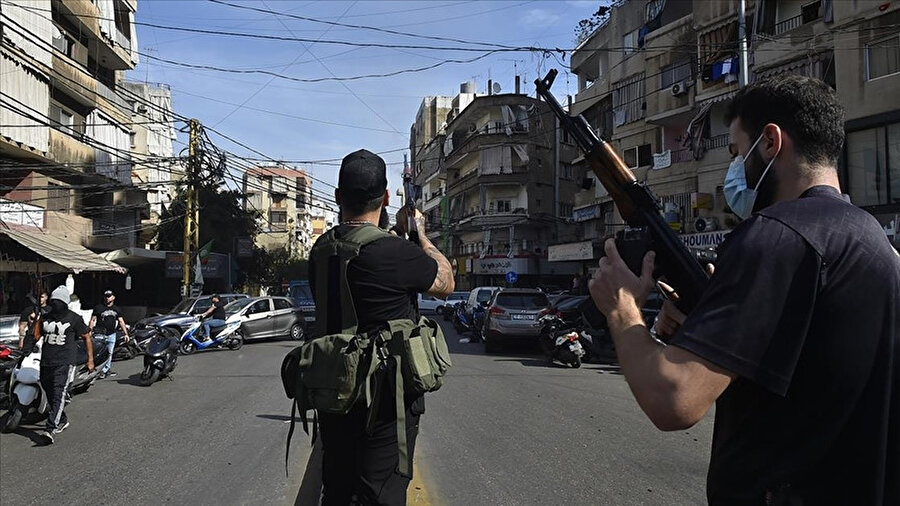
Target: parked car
(512,314)
(182,315)
(9,329)
(449,305)
(301,293)
(568,307)
(429,304)
(479,296)
(267,317)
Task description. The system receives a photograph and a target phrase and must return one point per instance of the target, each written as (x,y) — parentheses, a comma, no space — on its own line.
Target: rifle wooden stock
(636,203)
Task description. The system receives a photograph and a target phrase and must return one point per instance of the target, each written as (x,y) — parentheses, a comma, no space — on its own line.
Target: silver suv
(513,313)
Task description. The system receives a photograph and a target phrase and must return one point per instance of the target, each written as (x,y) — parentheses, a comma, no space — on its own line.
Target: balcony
(475,177)
(809,13)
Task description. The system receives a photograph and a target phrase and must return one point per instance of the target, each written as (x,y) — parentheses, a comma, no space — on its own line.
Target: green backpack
(333,372)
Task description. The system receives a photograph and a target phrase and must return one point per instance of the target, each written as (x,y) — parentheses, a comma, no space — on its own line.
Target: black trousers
(55,380)
(360,468)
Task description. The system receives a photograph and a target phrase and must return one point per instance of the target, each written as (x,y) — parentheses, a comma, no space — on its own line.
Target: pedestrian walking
(60,328)
(108,316)
(361,454)
(797,337)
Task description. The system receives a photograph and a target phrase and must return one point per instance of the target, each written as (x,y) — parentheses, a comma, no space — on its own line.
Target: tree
(222,218)
(586,27)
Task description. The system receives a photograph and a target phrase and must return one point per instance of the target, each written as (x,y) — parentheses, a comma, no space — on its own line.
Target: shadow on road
(134,380)
(280,418)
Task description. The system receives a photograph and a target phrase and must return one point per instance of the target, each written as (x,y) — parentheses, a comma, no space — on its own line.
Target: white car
(429,304)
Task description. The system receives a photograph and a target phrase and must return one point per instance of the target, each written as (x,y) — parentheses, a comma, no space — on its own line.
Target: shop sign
(17,213)
(705,239)
(586,213)
(572,251)
(215,266)
(500,265)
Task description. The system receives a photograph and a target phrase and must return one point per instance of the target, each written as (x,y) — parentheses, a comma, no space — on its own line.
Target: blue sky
(372,113)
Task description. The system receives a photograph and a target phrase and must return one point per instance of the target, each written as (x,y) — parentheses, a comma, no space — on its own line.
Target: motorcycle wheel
(236,342)
(187,347)
(576,363)
(149,376)
(297,332)
(14,416)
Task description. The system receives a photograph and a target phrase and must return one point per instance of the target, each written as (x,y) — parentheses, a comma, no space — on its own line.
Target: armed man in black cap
(361,450)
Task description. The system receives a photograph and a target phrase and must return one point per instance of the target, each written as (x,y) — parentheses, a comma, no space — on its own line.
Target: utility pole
(192,209)
(743,72)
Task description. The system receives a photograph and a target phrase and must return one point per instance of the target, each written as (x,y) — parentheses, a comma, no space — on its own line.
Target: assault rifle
(639,208)
(411,192)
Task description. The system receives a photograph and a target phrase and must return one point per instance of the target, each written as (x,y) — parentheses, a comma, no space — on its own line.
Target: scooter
(227,336)
(84,378)
(129,350)
(478,313)
(462,322)
(26,395)
(561,343)
(160,356)
(9,358)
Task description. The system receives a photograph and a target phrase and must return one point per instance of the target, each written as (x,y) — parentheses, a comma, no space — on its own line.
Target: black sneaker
(61,428)
(48,437)
(111,374)
(102,375)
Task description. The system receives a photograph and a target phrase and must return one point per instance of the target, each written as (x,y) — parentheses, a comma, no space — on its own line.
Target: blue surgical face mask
(741,198)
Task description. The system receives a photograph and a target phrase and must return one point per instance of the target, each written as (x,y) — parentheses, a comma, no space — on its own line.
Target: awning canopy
(70,256)
(130,257)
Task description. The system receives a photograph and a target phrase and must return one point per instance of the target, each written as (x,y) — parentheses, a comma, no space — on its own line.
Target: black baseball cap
(363,176)
(108,293)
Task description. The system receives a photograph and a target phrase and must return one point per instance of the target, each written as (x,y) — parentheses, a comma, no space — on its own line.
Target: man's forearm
(443,282)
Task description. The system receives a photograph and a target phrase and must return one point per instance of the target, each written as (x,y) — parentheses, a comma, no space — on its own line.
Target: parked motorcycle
(462,322)
(9,358)
(160,356)
(226,336)
(478,313)
(26,396)
(560,341)
(131,349)
(84,379)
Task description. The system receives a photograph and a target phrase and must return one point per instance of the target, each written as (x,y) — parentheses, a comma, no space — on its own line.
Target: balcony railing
(787,25)
(683,155)
(719,141)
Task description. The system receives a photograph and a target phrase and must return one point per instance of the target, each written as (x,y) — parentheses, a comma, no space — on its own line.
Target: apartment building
(322,217)
(156,169)
(65,138)
(283,197)
(656,77)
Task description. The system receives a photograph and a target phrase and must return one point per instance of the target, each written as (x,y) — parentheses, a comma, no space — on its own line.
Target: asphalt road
(506,429)
(513,429)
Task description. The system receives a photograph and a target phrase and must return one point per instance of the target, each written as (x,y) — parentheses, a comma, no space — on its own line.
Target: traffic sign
(512,277)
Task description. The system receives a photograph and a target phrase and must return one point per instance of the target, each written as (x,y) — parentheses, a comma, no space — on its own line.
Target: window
(674,73)
(278,220)
(57,198)
(565,210)
(504,206)
(654,8)
(639,156)
(260,306)
(61,117)
(566,171)
(883,57)
(628,100)
(282,304)
(873,165)
(630,42)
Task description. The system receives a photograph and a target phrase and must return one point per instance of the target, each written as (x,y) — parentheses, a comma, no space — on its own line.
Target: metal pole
(743,75)
(192,211)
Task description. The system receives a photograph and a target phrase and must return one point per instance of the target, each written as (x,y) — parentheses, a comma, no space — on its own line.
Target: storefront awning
(130,257)
(71,256)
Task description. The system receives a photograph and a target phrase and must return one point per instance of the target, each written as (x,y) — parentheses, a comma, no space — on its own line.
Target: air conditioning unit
(706,224)
(142,109)
(679,88)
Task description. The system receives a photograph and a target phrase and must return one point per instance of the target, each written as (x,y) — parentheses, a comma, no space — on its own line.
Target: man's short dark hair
(806,108)
(356,208)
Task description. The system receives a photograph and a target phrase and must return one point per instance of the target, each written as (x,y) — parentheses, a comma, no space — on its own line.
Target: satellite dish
(496,88)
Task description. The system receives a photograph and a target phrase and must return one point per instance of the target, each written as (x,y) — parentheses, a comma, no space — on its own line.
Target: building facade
(65,129)
(656,77)
(282,196)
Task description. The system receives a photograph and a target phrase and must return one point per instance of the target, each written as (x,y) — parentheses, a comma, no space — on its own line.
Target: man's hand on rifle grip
(615,288)
(670,318)
(403,222)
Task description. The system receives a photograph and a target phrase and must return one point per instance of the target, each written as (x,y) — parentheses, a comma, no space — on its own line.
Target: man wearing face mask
(797,337)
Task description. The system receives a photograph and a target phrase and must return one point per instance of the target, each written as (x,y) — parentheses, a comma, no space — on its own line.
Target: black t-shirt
(385,280)
(218,310)
(107,318)
(27,312)
(803,308)
(60,335)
